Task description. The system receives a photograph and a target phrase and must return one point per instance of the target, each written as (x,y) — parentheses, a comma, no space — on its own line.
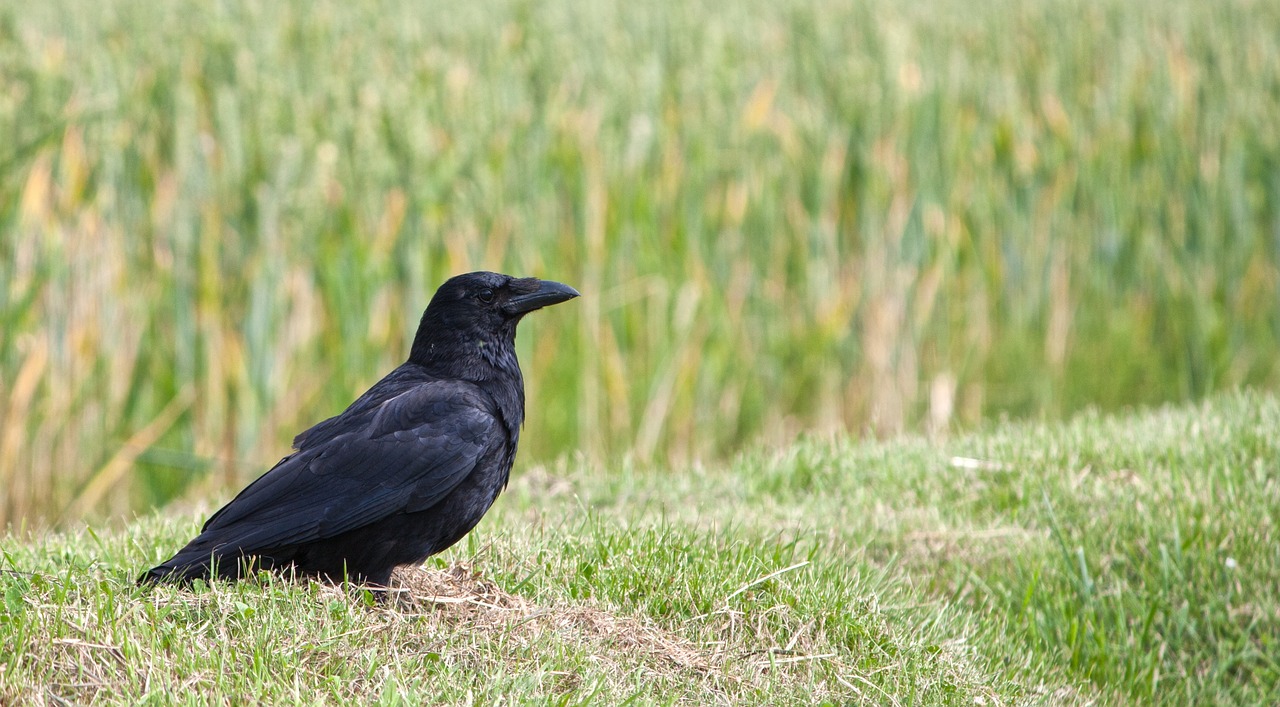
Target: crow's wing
(405,454)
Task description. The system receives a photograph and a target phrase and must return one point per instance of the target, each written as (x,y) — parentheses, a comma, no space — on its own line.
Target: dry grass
(722,665)
(784,216)
(462,599)
(454,624)
(427,611)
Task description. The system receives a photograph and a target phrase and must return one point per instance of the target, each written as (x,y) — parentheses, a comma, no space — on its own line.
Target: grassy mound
(1107,559)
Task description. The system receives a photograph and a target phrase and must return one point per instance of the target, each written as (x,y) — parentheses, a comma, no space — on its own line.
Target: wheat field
(219,222)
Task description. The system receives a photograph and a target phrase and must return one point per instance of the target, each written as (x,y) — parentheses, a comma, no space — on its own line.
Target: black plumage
(406,470)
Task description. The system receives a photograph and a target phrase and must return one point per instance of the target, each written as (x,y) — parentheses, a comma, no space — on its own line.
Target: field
(1104,561)
(927,353)
(220,221)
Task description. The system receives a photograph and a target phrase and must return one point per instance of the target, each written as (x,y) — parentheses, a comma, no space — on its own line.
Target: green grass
(220,221)
(1107,560)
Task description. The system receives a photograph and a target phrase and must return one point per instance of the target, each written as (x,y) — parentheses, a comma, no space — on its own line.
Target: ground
(1108,559)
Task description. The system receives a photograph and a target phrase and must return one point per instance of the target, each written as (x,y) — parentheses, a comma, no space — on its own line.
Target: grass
(1105,560)
(220,221)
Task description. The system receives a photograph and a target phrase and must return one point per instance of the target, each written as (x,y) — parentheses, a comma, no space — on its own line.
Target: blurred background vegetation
(220,221)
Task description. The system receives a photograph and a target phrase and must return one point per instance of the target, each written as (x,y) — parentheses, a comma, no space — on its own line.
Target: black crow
(404,472)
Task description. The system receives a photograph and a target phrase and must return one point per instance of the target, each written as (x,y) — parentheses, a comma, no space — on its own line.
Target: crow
(406,470)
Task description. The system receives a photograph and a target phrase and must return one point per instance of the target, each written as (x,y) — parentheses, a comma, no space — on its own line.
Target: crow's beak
(547,294)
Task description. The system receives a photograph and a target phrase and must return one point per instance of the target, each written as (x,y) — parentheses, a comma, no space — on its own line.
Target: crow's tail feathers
(174,572)
(196,561)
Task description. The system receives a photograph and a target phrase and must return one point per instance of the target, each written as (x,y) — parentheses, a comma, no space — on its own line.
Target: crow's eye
(485,295)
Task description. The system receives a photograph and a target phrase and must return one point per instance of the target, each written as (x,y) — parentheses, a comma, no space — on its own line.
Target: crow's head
(476,315)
